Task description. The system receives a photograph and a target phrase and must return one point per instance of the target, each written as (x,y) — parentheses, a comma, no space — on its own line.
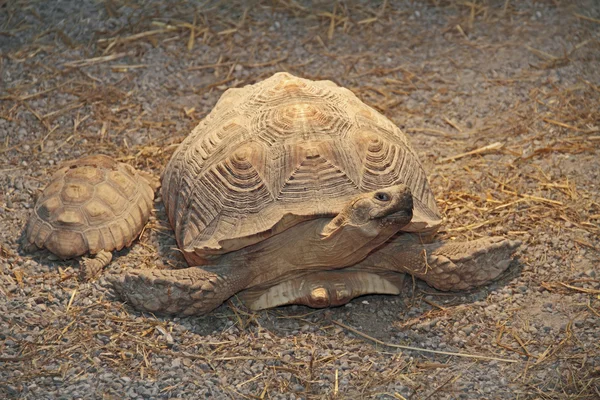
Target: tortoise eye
(382,196)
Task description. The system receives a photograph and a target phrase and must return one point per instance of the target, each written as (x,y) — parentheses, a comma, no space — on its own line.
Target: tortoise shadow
(379,316)
(382,316)
(26,250)
(362,311)
(165,242)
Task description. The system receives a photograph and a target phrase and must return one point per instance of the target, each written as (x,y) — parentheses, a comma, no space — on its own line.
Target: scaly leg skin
(188,291)
(90,267)
(446,265)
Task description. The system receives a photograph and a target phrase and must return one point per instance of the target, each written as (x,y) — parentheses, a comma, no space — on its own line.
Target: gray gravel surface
(124,78)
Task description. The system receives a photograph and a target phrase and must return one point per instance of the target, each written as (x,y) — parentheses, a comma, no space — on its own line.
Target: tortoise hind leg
(90,267)
(188,291)
(447,265)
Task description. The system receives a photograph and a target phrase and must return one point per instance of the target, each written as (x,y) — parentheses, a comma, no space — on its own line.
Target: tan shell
(90,204)
(284,150)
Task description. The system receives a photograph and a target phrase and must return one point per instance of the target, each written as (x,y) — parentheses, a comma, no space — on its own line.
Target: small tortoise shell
(91,204)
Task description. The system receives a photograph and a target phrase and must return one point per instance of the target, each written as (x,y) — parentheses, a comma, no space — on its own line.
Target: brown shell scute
(279,152)
(91,204)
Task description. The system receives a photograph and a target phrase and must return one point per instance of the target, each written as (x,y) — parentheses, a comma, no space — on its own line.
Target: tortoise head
(393,205)
(373,212)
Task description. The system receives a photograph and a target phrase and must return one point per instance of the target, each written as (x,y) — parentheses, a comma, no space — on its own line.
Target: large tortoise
(92,205)
(295,192)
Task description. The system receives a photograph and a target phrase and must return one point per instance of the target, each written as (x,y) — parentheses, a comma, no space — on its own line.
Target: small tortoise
(92,205)
(295,192)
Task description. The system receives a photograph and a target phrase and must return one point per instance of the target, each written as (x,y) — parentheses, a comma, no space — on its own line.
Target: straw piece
(398,346)
(587,18)
(95,60)
(489,147)
(137,36)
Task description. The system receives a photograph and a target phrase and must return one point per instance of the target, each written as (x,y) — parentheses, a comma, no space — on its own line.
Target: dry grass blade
(542,54)
(587,18)
(437,389)
(125,67)
(132,38)
(560,286)
(434,132)
(489,147)
(446,353)
(579,289)
(191,39)
(71,300)
(94,60)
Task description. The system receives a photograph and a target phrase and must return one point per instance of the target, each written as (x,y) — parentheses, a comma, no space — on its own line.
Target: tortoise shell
(279,152)
(90,204)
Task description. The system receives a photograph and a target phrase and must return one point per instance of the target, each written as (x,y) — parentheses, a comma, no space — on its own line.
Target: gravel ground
(131,79)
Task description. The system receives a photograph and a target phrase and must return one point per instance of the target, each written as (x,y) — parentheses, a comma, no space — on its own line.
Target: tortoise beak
(401,217)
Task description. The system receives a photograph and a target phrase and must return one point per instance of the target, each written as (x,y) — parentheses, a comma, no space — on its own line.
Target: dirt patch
(500,99)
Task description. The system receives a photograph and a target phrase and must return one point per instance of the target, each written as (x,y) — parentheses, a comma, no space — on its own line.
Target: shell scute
(85,173)
(49,207)
(95,241)
(66,243)
(70,218)
(119,237)
(97,212)
(124,184)
(76,193)
(111,197)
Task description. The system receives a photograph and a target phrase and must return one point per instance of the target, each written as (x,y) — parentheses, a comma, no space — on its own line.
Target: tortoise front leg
(445,265)
(90,267)
(188,291)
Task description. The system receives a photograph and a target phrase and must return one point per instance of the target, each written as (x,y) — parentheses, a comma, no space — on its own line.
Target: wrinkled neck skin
(302,248)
